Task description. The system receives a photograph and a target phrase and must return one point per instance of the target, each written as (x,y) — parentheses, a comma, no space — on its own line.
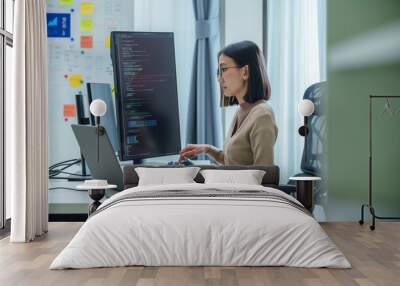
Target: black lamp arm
(303,130)
(100,129)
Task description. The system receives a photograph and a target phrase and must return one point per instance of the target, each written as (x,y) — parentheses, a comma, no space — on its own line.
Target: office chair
(312,160)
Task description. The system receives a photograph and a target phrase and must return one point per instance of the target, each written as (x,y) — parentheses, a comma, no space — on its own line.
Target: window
(6,45)
(9,12)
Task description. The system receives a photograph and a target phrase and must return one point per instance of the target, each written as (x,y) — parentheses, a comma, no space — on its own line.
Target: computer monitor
(102,162)
(108,121)
(146,94)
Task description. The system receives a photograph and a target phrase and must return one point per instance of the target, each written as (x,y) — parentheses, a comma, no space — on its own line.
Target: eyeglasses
(221,70)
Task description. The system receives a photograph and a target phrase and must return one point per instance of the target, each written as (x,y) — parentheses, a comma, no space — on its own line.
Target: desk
(305,190)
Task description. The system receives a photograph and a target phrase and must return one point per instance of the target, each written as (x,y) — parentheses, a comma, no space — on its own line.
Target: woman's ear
(245,72)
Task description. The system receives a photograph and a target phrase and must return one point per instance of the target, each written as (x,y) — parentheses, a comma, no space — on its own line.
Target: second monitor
(103,91)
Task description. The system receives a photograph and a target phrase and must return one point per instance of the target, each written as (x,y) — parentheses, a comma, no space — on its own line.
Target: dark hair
(248,53)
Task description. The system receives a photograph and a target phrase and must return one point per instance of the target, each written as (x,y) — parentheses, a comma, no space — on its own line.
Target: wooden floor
(374,255)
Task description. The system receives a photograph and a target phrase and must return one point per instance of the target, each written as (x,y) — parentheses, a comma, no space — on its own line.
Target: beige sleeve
(262,139)
(216,154)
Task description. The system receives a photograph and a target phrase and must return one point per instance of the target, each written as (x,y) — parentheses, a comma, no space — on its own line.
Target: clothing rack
(369,205)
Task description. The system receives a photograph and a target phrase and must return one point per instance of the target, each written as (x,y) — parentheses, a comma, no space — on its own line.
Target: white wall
(243,21)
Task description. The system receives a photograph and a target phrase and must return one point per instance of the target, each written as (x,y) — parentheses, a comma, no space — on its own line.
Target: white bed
(185,230)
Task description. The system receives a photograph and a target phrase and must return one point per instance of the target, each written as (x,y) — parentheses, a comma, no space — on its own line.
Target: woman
(252,135)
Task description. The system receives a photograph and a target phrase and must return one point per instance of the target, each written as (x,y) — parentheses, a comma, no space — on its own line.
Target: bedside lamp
(305,183)
(305,108)
(98,108)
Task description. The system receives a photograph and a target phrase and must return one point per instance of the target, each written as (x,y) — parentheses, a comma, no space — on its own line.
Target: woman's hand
(191,150)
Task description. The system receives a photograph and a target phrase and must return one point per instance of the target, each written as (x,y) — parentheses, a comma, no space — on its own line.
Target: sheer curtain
(295,60)
(26,133)
(204,124)
(172,16)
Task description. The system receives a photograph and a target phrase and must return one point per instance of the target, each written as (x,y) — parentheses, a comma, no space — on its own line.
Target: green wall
(347,116)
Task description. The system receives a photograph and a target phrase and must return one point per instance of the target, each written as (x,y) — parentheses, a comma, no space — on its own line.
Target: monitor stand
(104,166)
(82,175)
(137,162)
(82,120)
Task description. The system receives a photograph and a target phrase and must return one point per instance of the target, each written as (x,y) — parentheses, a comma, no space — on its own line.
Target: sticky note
(86,42)
(75,80)
(69,110)
(108,41)
(87,8)
(66,2)
(86,25)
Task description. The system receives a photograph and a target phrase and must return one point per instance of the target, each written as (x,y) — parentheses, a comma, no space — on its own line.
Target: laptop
(103,165)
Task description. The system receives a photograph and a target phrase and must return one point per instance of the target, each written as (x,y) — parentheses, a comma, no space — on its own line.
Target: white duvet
(200,231)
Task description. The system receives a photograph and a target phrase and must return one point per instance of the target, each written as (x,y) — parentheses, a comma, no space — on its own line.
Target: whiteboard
(82,57)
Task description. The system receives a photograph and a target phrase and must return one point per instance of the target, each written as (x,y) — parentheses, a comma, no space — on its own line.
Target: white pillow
(163,176)
(248,177)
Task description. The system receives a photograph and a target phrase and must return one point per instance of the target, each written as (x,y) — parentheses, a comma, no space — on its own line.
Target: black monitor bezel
(120,122)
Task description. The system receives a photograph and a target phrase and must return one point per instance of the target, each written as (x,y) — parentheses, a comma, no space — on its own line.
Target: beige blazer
(253,142)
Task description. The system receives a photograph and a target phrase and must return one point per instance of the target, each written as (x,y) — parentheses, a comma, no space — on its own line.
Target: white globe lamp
(305,108)
(98,108)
